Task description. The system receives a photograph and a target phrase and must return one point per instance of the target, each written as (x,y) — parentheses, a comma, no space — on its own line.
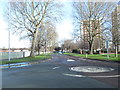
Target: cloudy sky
(64,29)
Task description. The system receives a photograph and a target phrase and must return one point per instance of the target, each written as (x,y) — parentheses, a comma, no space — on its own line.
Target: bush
(97,52)
(75,51)
(104,50)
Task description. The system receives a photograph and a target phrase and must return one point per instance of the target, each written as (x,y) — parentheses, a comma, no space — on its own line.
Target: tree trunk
(45,47)
(39,50)
(34,43)
(116,51)
(90,47)
(32,48)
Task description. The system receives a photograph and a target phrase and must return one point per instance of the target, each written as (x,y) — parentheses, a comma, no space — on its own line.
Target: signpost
(107,46)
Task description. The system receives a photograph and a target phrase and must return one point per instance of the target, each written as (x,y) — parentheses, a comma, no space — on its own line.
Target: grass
(27,59)
(97,56)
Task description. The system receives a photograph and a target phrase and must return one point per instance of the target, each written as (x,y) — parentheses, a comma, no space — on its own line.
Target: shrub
(75,51)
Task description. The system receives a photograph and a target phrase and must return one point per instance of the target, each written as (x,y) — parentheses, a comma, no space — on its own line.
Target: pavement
(56,73)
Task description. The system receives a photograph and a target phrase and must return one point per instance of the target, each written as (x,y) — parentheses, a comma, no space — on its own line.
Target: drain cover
(91,69)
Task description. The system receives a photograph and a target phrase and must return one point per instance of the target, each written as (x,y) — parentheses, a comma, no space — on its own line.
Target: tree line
(36,21)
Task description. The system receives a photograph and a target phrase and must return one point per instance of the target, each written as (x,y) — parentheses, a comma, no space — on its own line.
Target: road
(56,73)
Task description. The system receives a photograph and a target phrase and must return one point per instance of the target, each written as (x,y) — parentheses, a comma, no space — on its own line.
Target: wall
(13,55)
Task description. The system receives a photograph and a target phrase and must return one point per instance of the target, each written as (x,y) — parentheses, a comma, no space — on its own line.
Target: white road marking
(91,69)
(56,67)
(73,75)
(106,76)
(70,60)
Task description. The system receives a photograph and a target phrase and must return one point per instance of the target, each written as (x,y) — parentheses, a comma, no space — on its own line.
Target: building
(91,28)
(116,27)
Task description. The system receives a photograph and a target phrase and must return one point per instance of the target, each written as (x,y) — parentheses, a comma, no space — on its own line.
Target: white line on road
(56,67)
(73,75)
(70,60)
(106,76)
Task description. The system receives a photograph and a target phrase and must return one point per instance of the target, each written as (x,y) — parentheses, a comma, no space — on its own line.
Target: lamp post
(9,34)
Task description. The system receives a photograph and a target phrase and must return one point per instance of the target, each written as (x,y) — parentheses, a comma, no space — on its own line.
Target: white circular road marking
(91,69)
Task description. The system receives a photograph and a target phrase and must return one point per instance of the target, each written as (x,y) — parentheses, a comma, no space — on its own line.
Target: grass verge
(27,59)
(97,56)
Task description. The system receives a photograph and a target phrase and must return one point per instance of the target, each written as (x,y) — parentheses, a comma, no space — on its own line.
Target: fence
(13,55)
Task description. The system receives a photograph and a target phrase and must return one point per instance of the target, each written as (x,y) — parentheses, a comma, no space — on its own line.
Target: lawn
(27,59)
(97,56)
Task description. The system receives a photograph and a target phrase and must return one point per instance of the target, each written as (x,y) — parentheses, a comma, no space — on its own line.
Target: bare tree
(51,36)
(40,40)
(93,17)
(47,36)
(116,28)
(26,18)
(69,45)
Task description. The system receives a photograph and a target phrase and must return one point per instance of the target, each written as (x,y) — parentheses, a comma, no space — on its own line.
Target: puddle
(70,60)
(14,65)
(91,69)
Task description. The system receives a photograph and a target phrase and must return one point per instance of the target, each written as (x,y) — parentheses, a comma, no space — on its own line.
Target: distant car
(60,52)
(55,52)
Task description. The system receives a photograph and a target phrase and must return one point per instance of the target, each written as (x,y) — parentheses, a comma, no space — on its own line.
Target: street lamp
(9,33)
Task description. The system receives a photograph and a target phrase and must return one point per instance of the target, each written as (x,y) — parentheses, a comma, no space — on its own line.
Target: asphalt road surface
(56,73)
